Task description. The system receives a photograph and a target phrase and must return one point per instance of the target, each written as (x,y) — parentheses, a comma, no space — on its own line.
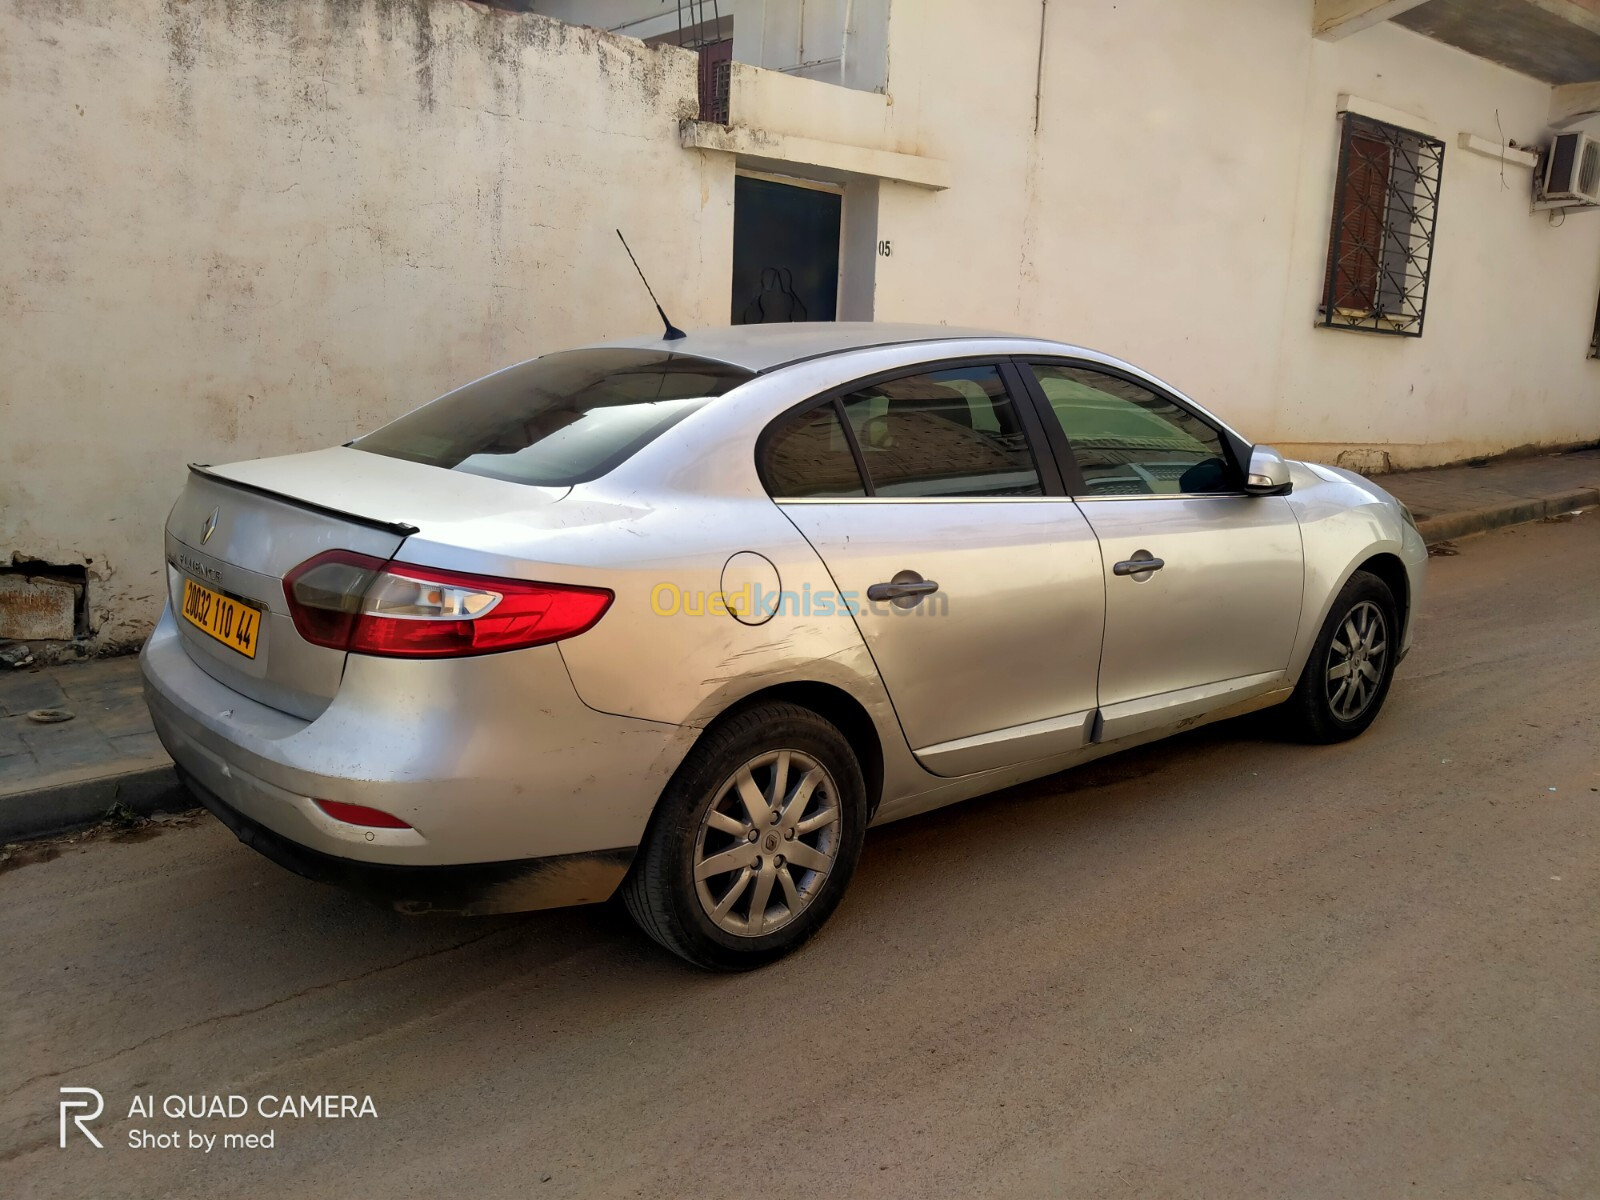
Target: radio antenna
(673,333)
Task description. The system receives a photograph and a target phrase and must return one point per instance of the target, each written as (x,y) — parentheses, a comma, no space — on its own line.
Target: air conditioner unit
(1572,170)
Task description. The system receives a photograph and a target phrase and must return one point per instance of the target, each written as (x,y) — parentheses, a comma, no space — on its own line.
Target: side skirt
(992,781)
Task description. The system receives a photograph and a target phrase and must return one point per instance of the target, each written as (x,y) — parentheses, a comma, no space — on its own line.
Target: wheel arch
(1378,559)
(1389,568)
(839,708)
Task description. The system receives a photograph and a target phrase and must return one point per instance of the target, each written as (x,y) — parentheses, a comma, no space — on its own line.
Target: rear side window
(810,456)
(562,419)
(943,434)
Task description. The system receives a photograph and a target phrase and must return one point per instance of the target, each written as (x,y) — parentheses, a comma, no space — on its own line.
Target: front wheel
(753,842)
(1347,676)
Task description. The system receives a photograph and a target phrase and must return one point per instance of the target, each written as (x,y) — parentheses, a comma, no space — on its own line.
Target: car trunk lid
(237,530)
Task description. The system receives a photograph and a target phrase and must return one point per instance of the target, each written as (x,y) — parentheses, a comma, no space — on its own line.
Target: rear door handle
(905,590)
(1139,566)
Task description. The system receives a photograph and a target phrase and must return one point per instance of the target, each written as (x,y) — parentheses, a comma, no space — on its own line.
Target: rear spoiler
(395,527)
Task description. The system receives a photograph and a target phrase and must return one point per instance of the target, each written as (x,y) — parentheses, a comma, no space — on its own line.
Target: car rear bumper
(490,760)
(472,889)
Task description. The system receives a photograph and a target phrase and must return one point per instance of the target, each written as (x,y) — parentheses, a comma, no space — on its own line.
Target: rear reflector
(360,814)
(349,601)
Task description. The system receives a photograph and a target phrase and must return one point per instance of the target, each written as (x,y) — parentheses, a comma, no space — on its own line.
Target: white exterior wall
(241,229)
(238,230)
(1174,209)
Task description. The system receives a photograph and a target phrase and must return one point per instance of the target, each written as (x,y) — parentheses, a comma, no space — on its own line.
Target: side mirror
(1268,474)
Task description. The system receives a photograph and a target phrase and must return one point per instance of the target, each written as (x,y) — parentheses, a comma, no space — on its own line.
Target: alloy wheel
(1356,660)
(767,843)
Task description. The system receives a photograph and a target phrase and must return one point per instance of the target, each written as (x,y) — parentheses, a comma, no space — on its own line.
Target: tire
(1320,711)
(704,820)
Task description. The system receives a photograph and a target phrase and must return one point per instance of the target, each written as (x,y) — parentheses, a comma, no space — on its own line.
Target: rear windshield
(558,420)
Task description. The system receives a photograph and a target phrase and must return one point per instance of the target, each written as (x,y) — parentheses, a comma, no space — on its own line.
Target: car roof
(764,347)
(761,348)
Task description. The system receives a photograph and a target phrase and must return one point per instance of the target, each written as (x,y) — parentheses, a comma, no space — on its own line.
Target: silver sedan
(681,618)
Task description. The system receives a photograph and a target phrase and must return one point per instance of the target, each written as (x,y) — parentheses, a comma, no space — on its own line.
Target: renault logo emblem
(209,527)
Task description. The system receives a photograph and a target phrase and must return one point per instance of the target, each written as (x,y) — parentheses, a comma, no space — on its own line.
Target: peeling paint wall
(233,228)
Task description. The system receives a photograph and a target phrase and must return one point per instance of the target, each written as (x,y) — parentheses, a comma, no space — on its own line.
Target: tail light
(360,814)
(353,602)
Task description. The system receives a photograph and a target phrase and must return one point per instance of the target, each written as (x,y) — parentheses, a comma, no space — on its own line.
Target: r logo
(99,1107)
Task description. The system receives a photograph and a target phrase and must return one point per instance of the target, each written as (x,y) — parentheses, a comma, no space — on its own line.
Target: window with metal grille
(1385,207)
(716,70)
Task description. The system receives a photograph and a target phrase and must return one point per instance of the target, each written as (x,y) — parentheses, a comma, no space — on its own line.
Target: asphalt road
(1224,966)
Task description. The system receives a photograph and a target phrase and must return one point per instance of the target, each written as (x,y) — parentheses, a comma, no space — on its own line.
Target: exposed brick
(34,608)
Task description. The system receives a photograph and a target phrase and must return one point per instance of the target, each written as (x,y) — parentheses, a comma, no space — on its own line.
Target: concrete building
(246,228)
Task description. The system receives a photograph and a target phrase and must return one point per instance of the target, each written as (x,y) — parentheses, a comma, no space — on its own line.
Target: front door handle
(1143,563)
(905,590)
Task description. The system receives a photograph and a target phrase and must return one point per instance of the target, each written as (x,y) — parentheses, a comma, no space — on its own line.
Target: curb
(68,806)
(1449,526)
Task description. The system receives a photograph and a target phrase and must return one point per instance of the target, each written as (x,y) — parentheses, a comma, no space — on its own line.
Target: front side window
(559,420)
(1129,441)
(1380,250)
(943,434)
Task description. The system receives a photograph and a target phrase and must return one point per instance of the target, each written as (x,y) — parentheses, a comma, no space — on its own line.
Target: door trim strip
(1129,717)
(1009,746)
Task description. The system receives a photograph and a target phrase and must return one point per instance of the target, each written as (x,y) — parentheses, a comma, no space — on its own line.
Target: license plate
(232,622)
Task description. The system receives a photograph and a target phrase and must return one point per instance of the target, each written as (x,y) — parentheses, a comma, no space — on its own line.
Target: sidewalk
(1451,502)
(66,775)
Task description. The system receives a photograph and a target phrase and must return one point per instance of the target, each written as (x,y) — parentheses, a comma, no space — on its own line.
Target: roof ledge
(1574,102)
(776,151)
(1335,19)
(1585,14)
(786,121)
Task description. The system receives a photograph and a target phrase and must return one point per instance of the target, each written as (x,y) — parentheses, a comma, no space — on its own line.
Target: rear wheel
(1347,677)
(753,842)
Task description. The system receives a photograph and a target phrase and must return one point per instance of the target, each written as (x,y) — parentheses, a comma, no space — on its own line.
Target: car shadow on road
(235,942)
(911,854)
